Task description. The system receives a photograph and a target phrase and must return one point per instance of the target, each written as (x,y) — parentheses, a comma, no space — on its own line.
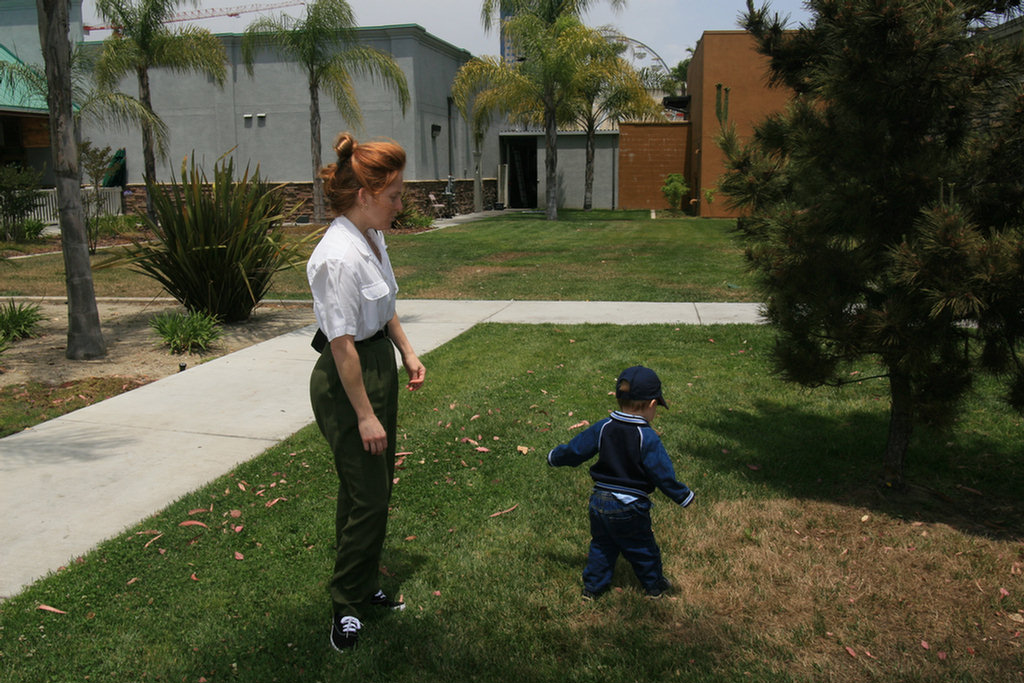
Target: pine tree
(884,210)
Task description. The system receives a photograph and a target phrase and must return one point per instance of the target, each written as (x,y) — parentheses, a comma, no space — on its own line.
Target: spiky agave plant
(217,244)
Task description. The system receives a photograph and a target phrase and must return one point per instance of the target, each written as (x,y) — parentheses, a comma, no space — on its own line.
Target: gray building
(263,119)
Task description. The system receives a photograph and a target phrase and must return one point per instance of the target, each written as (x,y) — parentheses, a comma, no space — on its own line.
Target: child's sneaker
(345,633)
(380,599)
(659,589)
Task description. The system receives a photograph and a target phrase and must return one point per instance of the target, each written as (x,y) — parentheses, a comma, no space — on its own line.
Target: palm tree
(539,87)
(465,93)
(546,10)
(609,89)
(324,44)
(85,338)
(542,33)
(142,42)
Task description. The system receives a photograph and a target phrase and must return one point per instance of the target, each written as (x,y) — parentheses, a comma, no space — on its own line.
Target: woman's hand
(414,368)
(375,439)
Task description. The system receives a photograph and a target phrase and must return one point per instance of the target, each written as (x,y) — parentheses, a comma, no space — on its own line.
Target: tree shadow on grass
(957,477)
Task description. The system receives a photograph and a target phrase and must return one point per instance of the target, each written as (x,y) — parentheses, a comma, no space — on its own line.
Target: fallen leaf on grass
(582,423)
(194,577)
(1003,593)
(235,514)
(47,608)
(483,449)
(132,580)
(925,645)
(193,522)
(239,556)
(150,541)
(410,538)
(523,449)
(504,511)
(851,651)
(274,502)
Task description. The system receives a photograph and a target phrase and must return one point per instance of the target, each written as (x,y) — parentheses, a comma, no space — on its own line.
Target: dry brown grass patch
(848,594)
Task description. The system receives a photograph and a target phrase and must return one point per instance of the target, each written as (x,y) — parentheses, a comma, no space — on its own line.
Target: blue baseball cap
(639,384)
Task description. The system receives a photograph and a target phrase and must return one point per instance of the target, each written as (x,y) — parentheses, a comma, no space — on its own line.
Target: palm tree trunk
(901,424)
(551,162)
(85,338)
(588,174)
(478,183)
(148,153)
(314,148)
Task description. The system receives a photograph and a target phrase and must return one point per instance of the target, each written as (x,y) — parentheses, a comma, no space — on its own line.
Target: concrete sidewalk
(72,482)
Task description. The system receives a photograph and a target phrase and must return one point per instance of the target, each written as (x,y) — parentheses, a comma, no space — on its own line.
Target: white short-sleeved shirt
(353,292)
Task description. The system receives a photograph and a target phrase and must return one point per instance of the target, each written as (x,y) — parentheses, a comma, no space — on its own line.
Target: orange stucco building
(725,67)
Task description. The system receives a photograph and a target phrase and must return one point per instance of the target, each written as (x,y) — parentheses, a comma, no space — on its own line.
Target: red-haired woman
(354,385)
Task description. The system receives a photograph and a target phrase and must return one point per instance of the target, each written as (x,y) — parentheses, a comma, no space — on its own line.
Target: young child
(631,463)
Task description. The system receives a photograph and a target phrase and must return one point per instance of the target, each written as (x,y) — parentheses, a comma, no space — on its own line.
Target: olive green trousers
(364,480)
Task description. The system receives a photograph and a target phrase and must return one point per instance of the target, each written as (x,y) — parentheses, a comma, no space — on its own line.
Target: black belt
(380,334)
(320,339)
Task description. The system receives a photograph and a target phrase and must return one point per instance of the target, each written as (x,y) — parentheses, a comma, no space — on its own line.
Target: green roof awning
(17,95)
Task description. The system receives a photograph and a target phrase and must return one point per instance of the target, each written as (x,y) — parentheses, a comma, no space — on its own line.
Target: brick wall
(416,191)
(647,153)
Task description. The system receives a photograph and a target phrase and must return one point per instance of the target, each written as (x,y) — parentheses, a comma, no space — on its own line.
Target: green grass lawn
(602,255)
(790,566)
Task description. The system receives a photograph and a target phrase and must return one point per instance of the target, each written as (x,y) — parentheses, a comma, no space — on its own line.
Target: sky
(666,27)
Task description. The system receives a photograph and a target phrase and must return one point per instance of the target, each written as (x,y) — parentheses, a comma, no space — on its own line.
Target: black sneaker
(380,599)
(345,633)
(659,589)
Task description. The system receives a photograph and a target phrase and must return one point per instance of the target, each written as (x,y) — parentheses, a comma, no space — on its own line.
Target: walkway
(72,482)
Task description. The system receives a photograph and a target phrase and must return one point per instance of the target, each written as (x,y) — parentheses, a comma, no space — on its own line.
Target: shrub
(410,217)
(217,244)
(18,321)
(110,226)
(94,162)
(19,196)
(186,332)
(31,229)
(675,190)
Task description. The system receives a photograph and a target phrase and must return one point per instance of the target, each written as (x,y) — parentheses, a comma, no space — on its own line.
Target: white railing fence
(47,209)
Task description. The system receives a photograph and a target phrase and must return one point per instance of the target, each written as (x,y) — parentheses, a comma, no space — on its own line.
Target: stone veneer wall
(416,191)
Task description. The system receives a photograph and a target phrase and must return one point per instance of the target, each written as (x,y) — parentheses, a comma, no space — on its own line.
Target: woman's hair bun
(344,145)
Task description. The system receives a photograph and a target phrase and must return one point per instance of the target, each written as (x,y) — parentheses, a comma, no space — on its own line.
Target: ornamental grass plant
(186,332)
(19,320)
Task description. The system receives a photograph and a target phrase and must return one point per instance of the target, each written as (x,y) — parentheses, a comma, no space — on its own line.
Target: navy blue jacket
(631,458)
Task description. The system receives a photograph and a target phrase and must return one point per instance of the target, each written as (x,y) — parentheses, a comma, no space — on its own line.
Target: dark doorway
(521,154)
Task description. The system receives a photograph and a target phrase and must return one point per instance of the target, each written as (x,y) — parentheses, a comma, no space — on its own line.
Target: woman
(354,385)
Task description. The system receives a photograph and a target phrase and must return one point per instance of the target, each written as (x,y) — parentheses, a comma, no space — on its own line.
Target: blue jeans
(617,527)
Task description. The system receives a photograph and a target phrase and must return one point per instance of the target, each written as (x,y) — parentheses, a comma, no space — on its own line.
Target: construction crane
(212,12)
